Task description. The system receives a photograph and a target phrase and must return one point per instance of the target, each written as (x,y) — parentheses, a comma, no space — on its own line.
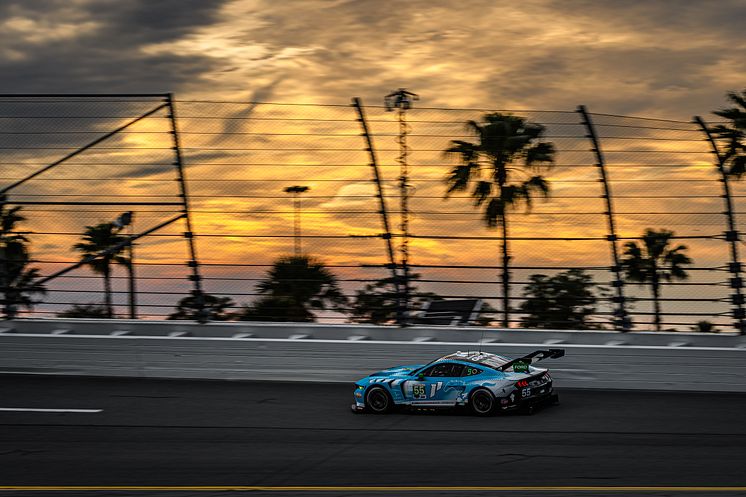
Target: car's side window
(458,370)
(444,369)
(429,371)
(471,371)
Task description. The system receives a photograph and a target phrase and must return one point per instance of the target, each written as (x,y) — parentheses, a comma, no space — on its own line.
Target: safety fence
(263,180)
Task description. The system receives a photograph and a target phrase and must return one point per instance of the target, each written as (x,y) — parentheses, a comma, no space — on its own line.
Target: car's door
(436,385)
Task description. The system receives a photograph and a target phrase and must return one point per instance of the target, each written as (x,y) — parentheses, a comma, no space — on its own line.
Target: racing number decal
(418,391)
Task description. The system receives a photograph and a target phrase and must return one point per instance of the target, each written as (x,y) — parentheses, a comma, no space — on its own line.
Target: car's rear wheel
(378,400)
(482,402)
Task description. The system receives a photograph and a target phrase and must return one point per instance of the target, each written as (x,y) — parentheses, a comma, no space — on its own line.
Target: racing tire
(482,402)
(378,401)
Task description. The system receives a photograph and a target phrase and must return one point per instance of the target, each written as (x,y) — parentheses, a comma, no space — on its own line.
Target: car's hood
(398,371)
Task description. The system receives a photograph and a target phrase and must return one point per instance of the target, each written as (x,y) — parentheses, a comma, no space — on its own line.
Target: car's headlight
(359,391)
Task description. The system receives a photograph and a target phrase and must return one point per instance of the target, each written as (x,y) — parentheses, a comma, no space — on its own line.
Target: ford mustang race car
(486,383)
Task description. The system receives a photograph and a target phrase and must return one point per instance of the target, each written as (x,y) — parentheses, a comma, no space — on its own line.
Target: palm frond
(737,167)
(482,191)
(466,151)
(541,154)
(738,99)
(512,195)
(474,127)
(494,212)
(460,176)
(656,242)
(538,184)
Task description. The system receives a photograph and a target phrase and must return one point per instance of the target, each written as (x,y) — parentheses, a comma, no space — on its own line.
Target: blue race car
(486,383)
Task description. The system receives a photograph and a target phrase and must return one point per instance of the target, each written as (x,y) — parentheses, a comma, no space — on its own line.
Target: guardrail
(132,349)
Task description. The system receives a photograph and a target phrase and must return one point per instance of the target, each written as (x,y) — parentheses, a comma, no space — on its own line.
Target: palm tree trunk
(656,300)
(107,290)
(505,276)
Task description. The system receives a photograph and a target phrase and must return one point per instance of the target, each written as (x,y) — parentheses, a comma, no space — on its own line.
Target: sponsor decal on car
(520,367)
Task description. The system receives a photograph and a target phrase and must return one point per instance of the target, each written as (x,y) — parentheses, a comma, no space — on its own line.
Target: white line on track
(33,409)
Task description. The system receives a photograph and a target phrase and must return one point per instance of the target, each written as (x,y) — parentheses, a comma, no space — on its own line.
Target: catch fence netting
(239,157)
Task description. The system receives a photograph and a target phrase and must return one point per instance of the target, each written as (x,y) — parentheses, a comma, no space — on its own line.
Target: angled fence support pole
(193,263)
(80,150)
(111,250)
(621,320)
(732,236)
(400,318)
(6,189)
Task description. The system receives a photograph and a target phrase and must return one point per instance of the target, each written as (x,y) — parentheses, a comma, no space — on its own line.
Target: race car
(485,383)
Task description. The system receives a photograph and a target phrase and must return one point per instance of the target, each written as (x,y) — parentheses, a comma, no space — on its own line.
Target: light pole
(402,100)
(296,190)
(127,219)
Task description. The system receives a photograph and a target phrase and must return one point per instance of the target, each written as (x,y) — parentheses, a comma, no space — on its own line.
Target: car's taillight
(522,383)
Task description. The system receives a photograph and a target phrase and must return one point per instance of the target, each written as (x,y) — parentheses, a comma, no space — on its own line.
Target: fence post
(621,320)
(400,318)
(732,235)
(193,263)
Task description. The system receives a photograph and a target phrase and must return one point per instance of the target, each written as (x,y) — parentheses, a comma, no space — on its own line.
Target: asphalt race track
(261,438)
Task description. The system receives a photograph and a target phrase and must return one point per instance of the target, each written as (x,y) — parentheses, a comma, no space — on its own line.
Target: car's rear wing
(521,364)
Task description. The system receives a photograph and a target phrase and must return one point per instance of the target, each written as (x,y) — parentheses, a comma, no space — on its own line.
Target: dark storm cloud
(97,46)
(677,55)
(723,18)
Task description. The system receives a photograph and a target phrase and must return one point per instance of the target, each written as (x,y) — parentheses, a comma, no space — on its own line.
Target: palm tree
(84,311)
(654,262)
(96,239)
(293,288)
(378,302)
(506,146)
(212,307)
(563,301)
(704,327)
(17,280)
(733,134)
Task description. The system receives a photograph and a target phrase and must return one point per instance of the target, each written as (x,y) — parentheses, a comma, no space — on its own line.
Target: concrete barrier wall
(365,332)
(585,366)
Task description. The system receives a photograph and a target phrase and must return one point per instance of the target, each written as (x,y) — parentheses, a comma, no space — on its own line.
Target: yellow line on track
(361,489)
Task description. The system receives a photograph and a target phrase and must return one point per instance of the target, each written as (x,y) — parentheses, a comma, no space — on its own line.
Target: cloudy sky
(664,59)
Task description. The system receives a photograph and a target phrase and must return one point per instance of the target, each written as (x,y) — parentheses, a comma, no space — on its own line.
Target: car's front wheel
(482,402)
(378,400)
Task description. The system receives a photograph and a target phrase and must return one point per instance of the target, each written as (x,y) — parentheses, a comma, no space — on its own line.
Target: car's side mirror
(420,376)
